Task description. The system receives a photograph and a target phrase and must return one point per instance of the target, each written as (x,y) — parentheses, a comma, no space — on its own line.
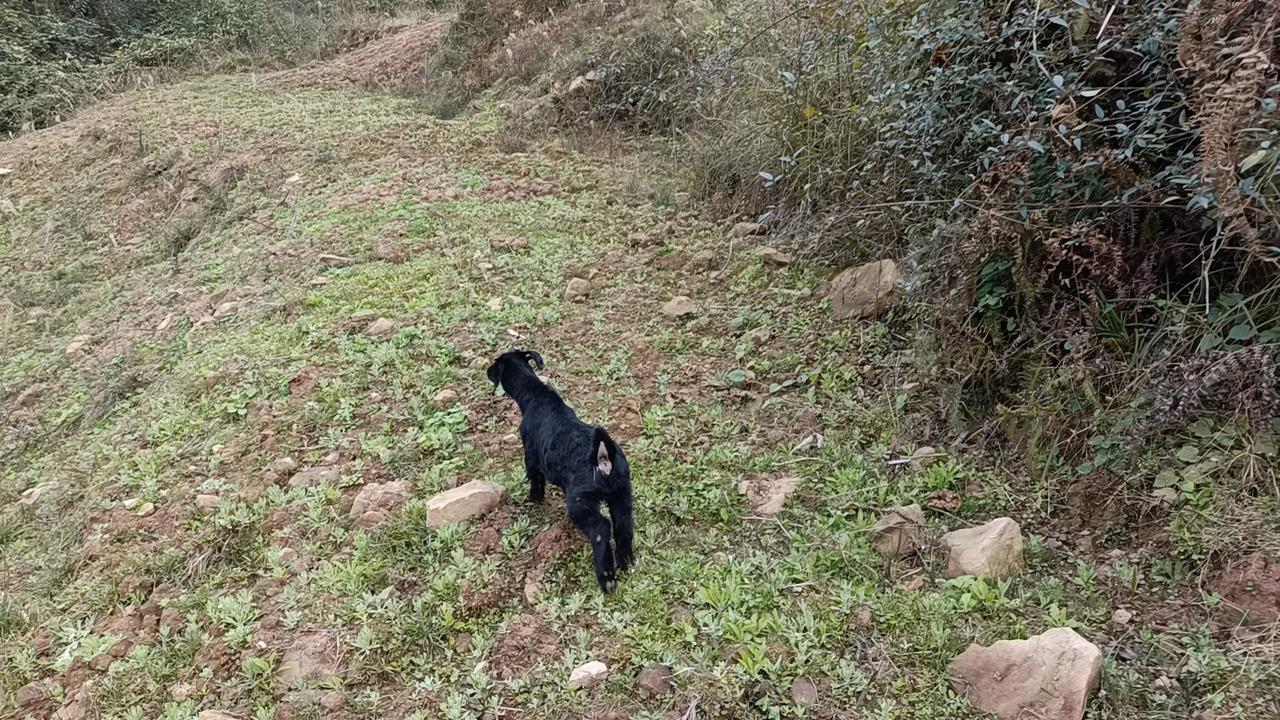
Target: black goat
(578,458)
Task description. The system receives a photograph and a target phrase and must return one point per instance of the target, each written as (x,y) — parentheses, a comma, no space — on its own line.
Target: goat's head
(512,360)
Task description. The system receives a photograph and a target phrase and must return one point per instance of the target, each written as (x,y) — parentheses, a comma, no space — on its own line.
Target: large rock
(463,503)
(592,673)
(863,291)
(898,532)
(375,501)
(1048,677)
(993,550)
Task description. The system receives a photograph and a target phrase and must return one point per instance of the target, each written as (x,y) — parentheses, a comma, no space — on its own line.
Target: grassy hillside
(191,275)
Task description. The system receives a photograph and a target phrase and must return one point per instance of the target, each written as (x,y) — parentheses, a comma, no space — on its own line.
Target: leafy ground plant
(188,429)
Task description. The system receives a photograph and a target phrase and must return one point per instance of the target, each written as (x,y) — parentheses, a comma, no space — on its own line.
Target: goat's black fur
(578,458)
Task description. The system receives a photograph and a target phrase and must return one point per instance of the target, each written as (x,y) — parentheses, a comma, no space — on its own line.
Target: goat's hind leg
(585,514)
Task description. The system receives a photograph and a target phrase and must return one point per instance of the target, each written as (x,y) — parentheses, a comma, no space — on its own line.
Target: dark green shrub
(1088,178)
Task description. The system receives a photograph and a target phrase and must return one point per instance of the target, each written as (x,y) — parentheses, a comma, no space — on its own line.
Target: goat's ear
(603,463)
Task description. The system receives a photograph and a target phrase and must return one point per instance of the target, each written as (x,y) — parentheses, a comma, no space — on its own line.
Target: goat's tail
(604,451)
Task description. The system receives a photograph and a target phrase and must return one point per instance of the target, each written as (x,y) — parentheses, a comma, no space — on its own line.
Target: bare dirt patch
(1250,590)
(528,639)
(393,62)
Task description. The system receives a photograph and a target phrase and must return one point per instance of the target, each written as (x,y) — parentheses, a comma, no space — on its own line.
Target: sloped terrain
(233,305)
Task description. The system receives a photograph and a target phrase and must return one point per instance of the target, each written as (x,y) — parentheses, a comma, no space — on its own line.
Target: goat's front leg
(532,470)
(624,527)
(585,514)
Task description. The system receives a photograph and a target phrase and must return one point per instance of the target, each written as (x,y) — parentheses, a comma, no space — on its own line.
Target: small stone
(28,397)
(773,256)
(993,550)
(925,456)
(915,583)
(77,344)
(332,701)
(588,675)
(1047,676)
(701,261)
(227,308)
(862,618)
(810,442)
(1121,617)
(743,229)
(679,306)
(898,532)
(380,328)
(171,619)
(32,693)
(311,658)
(768,494)
(363,316)
(181,691)
(319,280)
(329,260)
(215,715)
(654,680)
(207,502)
(494,304)
(31,496)
(804,691)
(284,465)
(391,252)
(463,503)
(445,398)
(863,291)
(379,497)
(315,476)
(577,290)
(145,509)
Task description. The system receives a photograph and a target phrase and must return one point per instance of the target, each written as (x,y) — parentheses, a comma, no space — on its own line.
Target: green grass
(738,606)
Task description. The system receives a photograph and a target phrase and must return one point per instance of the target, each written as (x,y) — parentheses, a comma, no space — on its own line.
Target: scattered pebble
(679,306)
(577,290)
(588,675)
(654,680)
(381,328)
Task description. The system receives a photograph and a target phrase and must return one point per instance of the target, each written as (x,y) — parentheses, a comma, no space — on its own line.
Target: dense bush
(55,55)
(1096,183)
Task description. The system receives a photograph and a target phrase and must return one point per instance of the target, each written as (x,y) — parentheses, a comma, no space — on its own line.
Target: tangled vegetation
(55,56)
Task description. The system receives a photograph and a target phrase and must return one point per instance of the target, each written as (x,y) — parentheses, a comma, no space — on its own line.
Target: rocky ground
(252,467)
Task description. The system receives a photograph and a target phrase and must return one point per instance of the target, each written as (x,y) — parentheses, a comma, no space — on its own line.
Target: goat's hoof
(608,581)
